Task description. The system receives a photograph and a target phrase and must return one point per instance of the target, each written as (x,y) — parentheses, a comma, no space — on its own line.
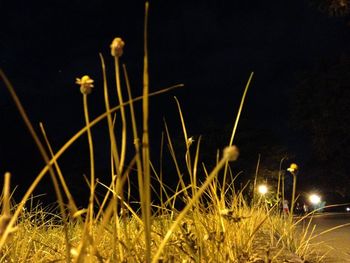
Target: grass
(216,223)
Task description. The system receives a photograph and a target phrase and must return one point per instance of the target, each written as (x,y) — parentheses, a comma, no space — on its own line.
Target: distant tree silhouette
(333,7)
(321,108)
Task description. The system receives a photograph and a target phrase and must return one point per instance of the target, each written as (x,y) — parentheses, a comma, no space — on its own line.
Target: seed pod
(117,47)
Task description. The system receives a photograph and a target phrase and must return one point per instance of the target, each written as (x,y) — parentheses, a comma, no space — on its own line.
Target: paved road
(337,241)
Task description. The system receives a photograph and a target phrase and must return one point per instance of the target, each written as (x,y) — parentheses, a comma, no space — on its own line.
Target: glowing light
(262,189)
(315,199)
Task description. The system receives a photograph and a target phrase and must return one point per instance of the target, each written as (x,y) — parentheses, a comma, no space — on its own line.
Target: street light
(315,199)
(262,189)
(280,174)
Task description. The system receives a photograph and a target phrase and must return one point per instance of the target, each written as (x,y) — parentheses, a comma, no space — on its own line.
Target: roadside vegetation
(204,219)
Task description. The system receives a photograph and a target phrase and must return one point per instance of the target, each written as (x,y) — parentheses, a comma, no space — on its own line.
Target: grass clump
(215,224)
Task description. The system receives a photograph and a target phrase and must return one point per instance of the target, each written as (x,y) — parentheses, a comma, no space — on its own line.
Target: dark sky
(210,46)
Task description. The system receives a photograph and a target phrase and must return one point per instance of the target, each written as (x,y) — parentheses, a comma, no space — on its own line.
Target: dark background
(297,105)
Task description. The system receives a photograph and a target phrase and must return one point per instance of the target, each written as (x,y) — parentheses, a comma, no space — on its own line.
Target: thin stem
(279,179)
(6,196)
(191,202)
(109,115)
(187,143)
(135,134)
(122,113)
(234,132)
(282,187)
(59,153)
(119,187)
(71,201)
(48,165)
(256,177)
(92,162)
(118,164)
(293,194)
(145,145)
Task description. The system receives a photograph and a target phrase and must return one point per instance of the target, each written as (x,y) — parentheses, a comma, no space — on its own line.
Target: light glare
(315,199)
(262,189)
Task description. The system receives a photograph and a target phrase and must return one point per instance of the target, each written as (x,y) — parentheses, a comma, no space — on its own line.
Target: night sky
(209,46)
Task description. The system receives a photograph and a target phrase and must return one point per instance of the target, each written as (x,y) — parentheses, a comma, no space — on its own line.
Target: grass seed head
(117,47)
(86,84)
(190,141)
(293,168)
(231,153)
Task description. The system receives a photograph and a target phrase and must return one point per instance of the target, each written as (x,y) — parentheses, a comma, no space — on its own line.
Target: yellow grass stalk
(59,153)
(135,135)
(226,157)
(188,142)
(146,205)
(109,115)
(233,135)
(118,163)
(72,206)
(5,216)
(48,165)
(92,163)
(162,186)
(256,177)
(110,210)
(195,165)
(173,155)
(118,45)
